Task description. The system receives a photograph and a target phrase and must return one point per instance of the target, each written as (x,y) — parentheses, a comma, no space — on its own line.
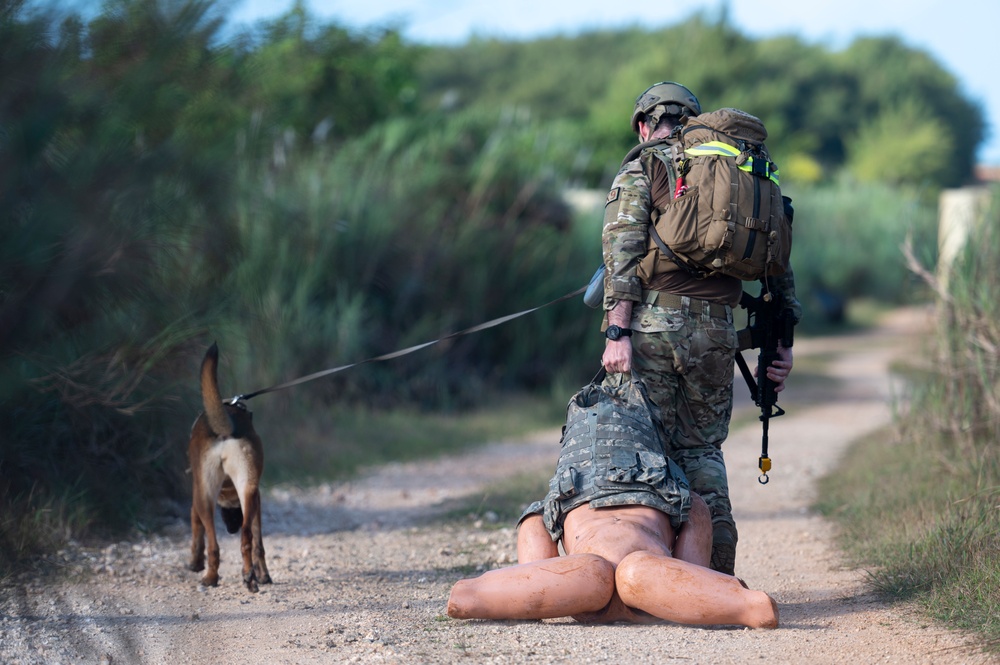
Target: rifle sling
(748,376)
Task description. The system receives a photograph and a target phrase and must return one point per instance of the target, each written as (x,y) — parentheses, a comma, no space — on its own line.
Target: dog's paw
(250,580)
(260,572)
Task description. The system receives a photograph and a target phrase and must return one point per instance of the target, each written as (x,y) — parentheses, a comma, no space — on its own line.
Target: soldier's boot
(724,548)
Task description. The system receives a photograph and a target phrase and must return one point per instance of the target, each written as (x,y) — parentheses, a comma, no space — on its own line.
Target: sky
(958,33)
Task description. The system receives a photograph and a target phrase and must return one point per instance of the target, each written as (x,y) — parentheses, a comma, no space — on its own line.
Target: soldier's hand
(780,368)
(618,356)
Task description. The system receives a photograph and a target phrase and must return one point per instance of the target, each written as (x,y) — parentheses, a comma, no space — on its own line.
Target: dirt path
(361,575)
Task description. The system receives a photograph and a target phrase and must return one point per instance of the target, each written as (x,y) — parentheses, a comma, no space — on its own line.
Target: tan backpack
(727,215)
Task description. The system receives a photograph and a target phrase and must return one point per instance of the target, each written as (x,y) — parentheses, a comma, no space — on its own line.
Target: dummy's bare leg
(534,542)
(678,591)
(545,589)
(694,541)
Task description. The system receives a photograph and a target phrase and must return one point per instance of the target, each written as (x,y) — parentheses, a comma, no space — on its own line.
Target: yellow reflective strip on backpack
(771,175)
(726,150)
(714,148)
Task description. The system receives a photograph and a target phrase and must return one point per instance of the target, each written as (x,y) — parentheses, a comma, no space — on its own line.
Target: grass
(925,523)
(918,504)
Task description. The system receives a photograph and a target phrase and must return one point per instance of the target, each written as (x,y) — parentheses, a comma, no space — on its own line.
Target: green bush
(848,240)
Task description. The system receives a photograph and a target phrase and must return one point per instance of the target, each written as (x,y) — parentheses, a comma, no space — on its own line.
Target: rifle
(769,323)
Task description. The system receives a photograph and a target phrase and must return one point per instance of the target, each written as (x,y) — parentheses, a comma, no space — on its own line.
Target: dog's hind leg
(204,510)
(197,541)
(259,563)
(251,513)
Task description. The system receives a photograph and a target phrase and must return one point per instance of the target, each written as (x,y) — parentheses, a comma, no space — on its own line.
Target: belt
(694,305)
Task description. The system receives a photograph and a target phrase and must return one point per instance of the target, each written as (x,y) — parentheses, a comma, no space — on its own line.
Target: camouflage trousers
(687,368)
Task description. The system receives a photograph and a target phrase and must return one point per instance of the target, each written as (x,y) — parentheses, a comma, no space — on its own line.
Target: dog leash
(402,352)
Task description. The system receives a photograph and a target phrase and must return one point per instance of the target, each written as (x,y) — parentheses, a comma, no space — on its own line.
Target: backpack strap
(637,150)
(655,150)
(669,253)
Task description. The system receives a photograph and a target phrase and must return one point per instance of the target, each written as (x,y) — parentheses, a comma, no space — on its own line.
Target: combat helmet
(676,99)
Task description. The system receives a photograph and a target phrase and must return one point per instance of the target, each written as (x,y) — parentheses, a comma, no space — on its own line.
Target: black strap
(669,253)
(747,375)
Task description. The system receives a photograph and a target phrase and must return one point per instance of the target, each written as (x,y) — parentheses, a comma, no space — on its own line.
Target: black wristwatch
(617,332)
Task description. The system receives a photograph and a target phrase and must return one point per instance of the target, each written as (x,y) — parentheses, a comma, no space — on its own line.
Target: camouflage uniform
(611,456)
(684,353)
(688,371)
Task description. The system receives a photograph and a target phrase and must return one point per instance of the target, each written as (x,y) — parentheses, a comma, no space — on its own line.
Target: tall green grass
(100,293)
(919,506)
(421,228)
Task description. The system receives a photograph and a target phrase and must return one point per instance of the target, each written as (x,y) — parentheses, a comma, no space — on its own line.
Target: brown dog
(227,459)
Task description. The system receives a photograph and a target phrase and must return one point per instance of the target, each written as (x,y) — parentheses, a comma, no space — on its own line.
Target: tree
(324,81)
(908,86)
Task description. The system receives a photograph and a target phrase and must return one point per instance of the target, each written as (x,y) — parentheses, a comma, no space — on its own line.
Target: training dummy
(637,544)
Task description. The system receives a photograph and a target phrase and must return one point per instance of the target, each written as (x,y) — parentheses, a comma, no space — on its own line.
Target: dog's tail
(218,419)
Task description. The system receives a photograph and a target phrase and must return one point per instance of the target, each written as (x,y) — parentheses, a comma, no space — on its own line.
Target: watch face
(614,332)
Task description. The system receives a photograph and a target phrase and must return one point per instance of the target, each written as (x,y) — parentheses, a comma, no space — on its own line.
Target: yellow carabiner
(764,464)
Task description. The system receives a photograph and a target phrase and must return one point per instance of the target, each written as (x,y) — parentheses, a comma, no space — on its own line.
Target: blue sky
(958,33)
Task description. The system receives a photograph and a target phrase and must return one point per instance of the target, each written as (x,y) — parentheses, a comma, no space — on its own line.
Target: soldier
(672,329)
